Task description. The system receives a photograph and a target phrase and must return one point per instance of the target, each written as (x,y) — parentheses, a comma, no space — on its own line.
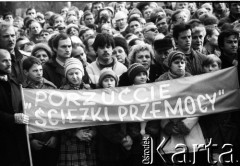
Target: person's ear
(25,72)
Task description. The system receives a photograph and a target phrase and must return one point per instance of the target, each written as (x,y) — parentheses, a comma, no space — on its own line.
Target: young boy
(113,141)
(32,68)
(43,145)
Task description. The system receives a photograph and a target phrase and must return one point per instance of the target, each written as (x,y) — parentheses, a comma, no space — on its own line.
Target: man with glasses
(149,32)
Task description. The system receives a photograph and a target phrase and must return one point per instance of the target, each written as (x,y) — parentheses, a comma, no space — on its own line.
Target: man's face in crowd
(5,62)
(121,23)
(35,28)
(198,40)
(219,6)
(147,13)
(45,35)
(79,53)
(150,32)
(96,7)
(64,48)
(105,53)
(144,58)
(64,12)
(32,13)
(134,25)
(9,18)
(230,45)
(139,33)
(213,40)
(35,73)
(88,33)
(8,38)
(184,40)
(235,8)
(162,26)
(89,19)
(161,55)
(181,5)
(181,17)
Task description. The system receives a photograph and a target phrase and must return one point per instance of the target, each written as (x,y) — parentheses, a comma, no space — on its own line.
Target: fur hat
(72,63)
(107,72)
(163,44)
(134,70)
(42,46)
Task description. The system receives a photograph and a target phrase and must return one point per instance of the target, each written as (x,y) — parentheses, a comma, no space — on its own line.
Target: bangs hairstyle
(179,57)
(210,59)
(138,48)
(103,40)
(29,62)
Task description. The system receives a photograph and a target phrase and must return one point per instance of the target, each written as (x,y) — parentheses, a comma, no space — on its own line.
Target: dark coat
(17,70)
(154,73)
(13,141)
(54,72)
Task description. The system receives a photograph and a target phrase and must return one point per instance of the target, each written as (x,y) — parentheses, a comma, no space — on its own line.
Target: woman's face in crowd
(74,76)
(178,67)
(211,67)
(58,21)
(140,78)
(42,56)
(73,32)
(120,54)
(144,58)
(108,82)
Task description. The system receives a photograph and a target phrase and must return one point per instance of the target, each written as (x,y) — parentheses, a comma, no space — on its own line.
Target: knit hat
(122,42)
(134,70)
(172,56)
(42,46)
(107,72)
(163,44)
(72,63)
(71,26)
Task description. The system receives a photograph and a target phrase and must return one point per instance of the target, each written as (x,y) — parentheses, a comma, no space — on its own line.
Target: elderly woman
(143,54)
(42,52)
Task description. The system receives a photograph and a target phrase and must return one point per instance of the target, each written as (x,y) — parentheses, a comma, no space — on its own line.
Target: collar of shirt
(59,62)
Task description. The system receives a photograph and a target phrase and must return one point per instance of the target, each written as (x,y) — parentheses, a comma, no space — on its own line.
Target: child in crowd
(113,142)
(77,146)
(138,75)
(185,131)
(43,145)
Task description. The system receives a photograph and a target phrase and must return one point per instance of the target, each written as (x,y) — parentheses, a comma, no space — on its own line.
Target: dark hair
(102,40)
(31,8)
(92,26)
(86,13)
(7,13)
(225,34)
(29,62)
(60,36)
(177,29)
(121,42)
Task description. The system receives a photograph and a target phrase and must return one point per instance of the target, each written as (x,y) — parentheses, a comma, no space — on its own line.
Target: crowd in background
(111,45)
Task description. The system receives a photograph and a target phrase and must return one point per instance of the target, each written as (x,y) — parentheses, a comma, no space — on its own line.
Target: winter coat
(13,141)
(94,70)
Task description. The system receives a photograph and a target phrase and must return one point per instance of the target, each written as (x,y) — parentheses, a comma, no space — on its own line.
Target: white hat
(72,63)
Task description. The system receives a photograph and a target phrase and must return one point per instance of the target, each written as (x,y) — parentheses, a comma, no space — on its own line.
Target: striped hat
(134,70)
(72,63)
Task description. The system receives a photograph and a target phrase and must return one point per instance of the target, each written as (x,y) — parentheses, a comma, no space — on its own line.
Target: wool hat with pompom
(134,70)
(107,72)
(73,63)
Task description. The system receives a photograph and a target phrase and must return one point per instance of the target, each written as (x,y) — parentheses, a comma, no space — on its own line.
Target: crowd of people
(109,45)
